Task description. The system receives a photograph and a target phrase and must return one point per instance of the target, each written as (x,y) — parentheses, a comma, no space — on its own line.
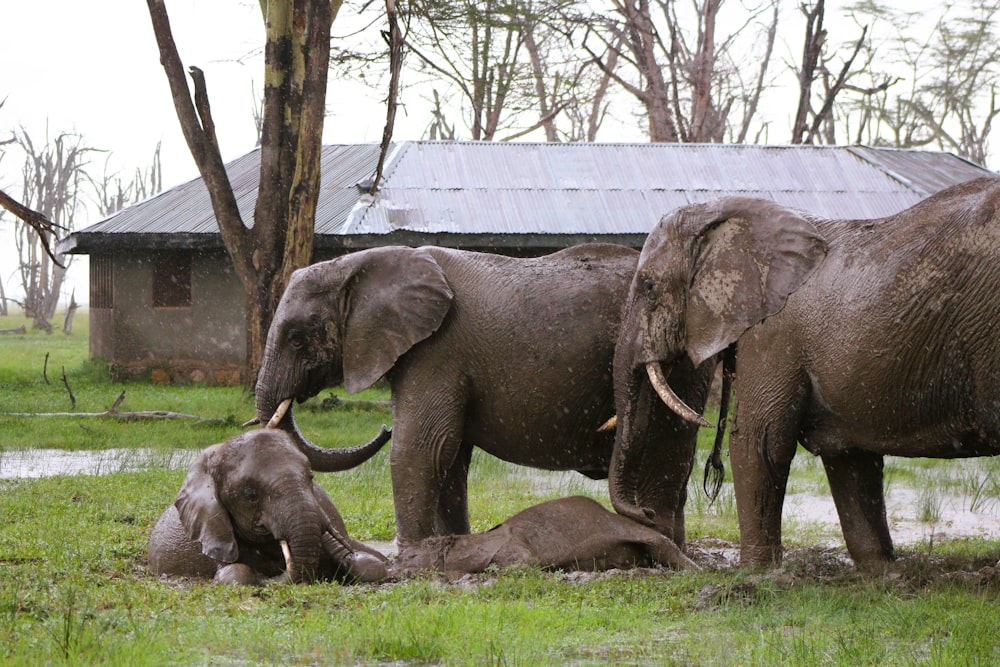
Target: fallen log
(113,413)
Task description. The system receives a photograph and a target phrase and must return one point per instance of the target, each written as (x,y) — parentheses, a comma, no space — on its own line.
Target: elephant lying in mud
(249,511)
(574,533)
(855,339)
(509,355)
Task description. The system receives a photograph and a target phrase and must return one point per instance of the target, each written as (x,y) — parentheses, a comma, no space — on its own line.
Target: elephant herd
(854,339)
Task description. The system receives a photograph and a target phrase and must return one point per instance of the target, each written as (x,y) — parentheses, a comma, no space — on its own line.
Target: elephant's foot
(875,561)
(239,574)
(762,557)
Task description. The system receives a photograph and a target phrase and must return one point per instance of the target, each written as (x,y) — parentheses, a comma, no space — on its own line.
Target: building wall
(202,341)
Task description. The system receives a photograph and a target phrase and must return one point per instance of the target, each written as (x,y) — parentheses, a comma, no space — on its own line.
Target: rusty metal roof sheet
(465,188)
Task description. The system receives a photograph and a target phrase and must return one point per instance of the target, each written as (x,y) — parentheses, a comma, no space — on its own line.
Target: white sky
(93,68)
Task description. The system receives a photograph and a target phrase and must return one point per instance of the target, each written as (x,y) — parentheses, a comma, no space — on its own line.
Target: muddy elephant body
(509,355)
(240,500)
(575,533)
(856,339)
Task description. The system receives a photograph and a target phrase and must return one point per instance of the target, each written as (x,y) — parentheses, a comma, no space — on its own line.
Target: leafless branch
(45,228)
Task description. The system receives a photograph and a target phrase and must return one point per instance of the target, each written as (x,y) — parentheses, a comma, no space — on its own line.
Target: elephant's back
(895,329)
(535,339)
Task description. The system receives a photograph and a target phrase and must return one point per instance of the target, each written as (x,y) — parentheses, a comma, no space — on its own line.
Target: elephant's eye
(649,288)
(250,494)
(295,341)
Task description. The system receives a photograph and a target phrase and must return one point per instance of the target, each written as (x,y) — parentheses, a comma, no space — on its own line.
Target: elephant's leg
(427,439)
(453,505)
(761,462)
(856,484)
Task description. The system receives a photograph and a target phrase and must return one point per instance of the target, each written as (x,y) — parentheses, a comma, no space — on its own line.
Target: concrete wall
(203,342)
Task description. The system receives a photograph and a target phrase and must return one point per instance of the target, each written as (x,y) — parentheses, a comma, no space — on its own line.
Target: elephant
(856,339)
(510,355)
(249,512)
(569,534)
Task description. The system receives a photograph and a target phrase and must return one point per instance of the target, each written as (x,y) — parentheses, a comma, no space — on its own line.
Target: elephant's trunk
(302,547)
(352,564)
(321,459)
(623,473)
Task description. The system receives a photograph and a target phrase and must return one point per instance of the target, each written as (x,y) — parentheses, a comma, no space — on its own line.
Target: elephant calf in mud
(575,533)
(249,511)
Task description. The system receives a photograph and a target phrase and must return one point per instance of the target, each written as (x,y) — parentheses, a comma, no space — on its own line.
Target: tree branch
(42,225)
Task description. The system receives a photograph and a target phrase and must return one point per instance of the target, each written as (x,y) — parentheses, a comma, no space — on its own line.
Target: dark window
(172,281)
(102,286)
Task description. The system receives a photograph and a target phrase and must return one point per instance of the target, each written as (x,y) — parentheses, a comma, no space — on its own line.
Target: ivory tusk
(279,414)
(668,396)
(287,553)
(252,422)
(609,425)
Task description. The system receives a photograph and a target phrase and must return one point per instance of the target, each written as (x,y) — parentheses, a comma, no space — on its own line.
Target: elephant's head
(256,490)
(346,321)
(706,274)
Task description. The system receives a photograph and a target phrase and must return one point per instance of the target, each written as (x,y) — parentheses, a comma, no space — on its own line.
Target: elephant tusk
(251,422)
(287,553)
(609,425)
(279,414)
(668,396)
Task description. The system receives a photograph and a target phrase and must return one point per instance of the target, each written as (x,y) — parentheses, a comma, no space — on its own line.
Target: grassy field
(74,589)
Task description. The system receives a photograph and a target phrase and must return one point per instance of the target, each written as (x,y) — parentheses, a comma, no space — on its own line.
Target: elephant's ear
(751,256)
(396,299)
(202,515)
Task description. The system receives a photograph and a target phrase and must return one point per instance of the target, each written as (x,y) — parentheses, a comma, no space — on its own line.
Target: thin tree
(944,85)
(52,178)
(815,115)
(296,56)
(693,83)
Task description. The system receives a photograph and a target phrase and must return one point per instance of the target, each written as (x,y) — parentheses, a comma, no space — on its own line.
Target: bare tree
(297,54)
(815,120)
(52,177)
(693,84)
(477,48)
(957,100)
(113,193)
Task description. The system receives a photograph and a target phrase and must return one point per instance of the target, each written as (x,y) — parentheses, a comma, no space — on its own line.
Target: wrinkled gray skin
(568,534)
(243,496)
(856,339)
(509,355)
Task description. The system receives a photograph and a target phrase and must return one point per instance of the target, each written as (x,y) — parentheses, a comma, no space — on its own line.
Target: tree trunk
(281,239)
(70,312)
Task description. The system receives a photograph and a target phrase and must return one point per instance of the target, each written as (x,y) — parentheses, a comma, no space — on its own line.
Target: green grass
(74,589)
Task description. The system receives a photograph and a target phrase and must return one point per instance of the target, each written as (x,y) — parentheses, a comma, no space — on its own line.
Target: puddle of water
(33,463)
(904,509)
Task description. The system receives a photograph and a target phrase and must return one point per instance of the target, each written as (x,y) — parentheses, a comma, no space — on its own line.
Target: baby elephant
(575,533)
(250,511)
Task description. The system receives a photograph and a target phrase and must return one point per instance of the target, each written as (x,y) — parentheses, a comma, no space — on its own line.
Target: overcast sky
(93,68)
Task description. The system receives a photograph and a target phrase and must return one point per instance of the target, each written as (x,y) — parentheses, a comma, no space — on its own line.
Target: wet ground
(913,518)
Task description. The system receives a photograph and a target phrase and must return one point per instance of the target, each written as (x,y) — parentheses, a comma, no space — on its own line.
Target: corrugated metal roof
(584,189)
(188,209)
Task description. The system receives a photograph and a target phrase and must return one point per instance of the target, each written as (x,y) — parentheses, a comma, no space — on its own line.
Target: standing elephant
(249,510)
(855,339)
(510,355)
(574,533)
